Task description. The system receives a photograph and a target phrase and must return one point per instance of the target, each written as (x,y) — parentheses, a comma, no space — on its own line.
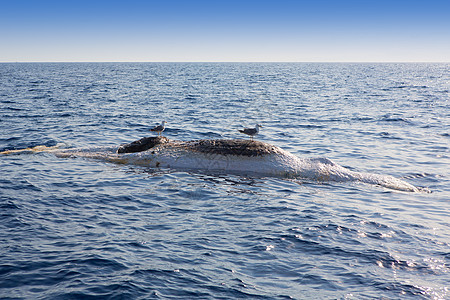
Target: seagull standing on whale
(251,131)
(160,128)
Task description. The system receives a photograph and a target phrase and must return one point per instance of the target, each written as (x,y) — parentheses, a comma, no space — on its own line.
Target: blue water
(75,228)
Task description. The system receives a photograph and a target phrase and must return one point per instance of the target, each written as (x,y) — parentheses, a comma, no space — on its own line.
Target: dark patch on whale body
(142,144)
(221,146)
(232,147)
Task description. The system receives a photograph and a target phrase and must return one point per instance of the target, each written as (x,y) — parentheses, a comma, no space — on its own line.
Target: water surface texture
(77,228)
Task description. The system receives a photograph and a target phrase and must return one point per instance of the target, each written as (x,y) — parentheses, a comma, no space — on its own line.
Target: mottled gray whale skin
(220,146)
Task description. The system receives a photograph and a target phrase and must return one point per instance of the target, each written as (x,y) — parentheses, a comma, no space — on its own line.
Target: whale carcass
(236,156)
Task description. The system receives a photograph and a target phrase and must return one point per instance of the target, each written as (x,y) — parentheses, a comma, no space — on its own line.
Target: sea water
(76,228)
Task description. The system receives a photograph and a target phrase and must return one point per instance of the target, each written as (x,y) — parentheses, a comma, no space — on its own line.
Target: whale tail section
(36,149)
(324,170)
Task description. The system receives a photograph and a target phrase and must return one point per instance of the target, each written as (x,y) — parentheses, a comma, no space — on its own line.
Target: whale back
(232,147)
(219,146)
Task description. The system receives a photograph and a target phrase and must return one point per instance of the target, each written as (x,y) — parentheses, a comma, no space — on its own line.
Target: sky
(228,30)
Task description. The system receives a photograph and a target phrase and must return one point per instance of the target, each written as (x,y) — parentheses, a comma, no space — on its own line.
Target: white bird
(251,131)
(160,128)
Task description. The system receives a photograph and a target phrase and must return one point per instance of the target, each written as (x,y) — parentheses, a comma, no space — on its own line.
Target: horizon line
(326,62)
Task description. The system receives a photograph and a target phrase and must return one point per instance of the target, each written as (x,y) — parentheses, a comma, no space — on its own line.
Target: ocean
(79,228)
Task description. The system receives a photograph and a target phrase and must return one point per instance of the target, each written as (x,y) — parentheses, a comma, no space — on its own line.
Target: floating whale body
(233,156)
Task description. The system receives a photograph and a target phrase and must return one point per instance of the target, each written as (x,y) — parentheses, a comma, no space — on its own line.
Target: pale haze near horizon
(217,31)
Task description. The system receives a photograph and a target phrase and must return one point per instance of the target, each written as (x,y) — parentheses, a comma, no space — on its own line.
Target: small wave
(191,97)
(403,86)
(9,205)
(389,118)
(13,108)
(63,115)
(417,175)
(387,135)
(363,119)
(308,126)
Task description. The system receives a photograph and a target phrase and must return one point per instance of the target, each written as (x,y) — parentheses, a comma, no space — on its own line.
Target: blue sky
(193,30)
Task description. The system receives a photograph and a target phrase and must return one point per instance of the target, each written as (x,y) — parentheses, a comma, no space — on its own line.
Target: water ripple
(76,228)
